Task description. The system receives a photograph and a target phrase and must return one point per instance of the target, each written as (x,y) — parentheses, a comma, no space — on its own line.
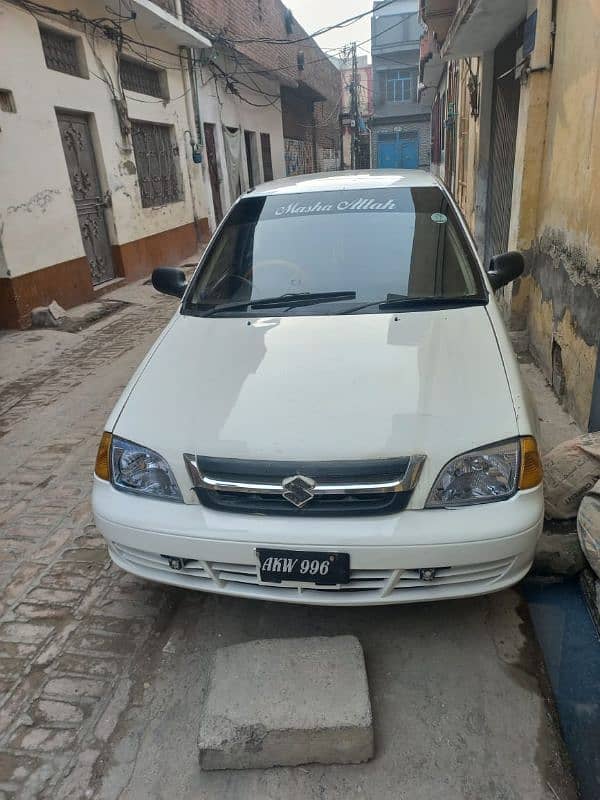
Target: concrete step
(283,702)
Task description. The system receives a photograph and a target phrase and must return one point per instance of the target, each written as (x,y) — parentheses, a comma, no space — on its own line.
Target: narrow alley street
(102,675)
(356,483)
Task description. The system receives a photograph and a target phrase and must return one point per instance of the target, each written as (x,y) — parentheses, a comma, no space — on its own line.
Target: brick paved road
(70,624)
(102,675)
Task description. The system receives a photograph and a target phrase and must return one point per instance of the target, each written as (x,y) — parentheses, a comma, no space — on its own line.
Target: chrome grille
(325,488)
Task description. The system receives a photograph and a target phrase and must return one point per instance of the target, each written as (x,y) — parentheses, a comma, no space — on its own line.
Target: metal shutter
(505,116)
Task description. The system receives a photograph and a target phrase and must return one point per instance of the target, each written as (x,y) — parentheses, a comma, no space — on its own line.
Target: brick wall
(255,19)
(234,23)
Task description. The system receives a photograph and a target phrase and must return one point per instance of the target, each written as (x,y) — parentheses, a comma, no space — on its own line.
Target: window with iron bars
(60,52)
(140,78)
(7,101)
(157,164)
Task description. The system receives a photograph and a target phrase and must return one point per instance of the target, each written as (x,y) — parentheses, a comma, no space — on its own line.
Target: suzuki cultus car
(334,414)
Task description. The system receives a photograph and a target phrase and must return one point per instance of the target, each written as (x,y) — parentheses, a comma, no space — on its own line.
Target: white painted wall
(38,223)
(223,108)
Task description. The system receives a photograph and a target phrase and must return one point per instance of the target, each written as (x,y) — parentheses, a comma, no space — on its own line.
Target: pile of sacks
(572,489)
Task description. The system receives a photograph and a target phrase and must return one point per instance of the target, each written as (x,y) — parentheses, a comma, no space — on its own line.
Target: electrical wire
(342,24)
(232,83)
(371,39)
(111,28)
(385,30)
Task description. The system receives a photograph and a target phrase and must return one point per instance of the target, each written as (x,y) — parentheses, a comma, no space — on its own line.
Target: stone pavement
(102,675)
(70,624)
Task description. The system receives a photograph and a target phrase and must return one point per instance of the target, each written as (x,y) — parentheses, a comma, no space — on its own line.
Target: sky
(315,14)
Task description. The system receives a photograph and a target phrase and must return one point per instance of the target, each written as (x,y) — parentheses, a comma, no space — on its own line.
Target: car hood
(317,388)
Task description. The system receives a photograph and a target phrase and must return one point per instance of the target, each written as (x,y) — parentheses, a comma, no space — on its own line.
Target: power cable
(342,24)
(286,67)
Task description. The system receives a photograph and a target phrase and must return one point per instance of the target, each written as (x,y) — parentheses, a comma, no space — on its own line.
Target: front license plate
(301,566)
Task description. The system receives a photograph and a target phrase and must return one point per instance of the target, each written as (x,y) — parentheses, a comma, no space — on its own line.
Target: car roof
(348,179)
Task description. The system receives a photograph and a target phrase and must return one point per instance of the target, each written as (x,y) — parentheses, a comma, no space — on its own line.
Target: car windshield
(330,252)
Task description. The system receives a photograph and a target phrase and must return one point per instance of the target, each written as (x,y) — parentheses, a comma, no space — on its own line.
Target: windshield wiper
(289,300)
(301,298)
(398,302)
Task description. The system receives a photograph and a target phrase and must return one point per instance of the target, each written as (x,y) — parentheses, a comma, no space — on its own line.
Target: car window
(374,243)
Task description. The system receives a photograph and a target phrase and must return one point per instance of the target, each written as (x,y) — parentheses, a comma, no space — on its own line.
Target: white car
(334,415)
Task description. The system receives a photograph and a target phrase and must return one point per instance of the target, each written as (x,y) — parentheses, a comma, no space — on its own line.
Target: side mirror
(505,268)
(169,280)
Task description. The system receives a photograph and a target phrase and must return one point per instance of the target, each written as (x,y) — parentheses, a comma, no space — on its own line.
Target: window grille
(60,51)
(140,78)
(157,164)
(7,101)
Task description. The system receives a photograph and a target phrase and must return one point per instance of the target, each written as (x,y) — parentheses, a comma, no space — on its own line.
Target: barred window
(60,51)
(140,78)
(157,164)
(7,101)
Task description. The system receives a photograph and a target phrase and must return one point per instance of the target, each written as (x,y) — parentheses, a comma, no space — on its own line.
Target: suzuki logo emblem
(298,490)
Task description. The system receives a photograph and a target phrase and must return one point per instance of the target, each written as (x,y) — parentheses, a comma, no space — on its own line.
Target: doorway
(265,146)
(87,194)
(213,169)
(251,158)
(395,151)
(505,120)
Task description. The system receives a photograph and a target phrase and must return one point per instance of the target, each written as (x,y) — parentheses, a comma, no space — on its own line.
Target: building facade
(241,132)
(97,182)
(127,135)
(516,137)
(264,41)
(400,126)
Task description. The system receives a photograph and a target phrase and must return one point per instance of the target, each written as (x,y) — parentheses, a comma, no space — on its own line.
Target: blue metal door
(394,152)
(409,153)
(387,157)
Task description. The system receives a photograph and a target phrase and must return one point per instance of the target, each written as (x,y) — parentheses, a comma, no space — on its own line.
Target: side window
(216,276)
(458,276)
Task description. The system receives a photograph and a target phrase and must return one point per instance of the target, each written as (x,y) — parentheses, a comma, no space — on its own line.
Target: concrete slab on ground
(459,709)
(284,702)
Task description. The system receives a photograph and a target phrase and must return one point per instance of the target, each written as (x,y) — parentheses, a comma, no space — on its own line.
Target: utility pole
(354,106)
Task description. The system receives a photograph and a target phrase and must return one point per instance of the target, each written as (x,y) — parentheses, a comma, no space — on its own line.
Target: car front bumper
(474,550)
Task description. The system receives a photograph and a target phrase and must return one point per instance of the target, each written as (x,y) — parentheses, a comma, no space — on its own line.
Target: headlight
(487,474)
(137,469)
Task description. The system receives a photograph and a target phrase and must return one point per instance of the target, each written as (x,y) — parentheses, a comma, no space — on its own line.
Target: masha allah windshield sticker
(439,218)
